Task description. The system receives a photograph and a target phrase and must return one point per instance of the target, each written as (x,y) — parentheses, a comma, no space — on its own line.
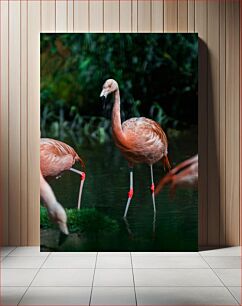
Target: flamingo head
(108,87)
(58,215)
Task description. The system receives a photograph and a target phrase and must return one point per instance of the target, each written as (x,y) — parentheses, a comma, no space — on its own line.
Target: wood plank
(48,19)
(48,16)
(14,122)
(111,16)
(232,122)
(171,16)
(96,16)
(240,59)
(33,122)
(229,111)
(70,16)
(183,16)
(125,16)
(81,16)
(157,24)
(4,121)
(134,19)
(23,125)
(213,123)
(201,28)
(191,16)
(144,16)
(222,141)
(61,16)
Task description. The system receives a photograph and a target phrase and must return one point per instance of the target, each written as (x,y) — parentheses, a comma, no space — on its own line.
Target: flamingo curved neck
(116,118)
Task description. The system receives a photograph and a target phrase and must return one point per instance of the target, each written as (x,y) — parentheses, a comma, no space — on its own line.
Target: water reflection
(128,228)
(172,227)
(131,234)
(154,223)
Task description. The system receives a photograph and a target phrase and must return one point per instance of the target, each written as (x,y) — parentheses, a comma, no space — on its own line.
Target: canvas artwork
(119,142)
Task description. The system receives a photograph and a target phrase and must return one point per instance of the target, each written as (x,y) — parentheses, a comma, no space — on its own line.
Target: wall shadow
(208,150)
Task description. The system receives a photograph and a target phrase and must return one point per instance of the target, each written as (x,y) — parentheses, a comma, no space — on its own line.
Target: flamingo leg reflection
(131,235)
(152,188)
(154,225)
(130,193)
(82,176)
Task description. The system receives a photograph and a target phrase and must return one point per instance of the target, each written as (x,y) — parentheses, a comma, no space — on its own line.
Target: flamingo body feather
(56,157)
(145,141)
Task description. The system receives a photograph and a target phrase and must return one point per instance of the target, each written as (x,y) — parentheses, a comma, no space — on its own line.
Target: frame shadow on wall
(208,150)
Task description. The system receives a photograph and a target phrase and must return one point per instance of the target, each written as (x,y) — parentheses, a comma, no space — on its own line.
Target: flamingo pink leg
(130,193)
(83,176)
(152,188)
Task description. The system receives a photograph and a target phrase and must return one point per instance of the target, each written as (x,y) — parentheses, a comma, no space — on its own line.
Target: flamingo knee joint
(83,176)
(152,187)
(130,193)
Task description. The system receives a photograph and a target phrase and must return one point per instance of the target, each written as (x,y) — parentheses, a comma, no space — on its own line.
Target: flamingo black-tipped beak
(104,94)
(63,228)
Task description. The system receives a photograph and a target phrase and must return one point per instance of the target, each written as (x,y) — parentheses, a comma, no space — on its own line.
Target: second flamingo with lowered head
(56,157)
(184,175)
(140,140)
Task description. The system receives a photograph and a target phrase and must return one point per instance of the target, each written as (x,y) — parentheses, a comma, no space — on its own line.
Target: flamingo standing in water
(56,157)
(183,175)
(140,140)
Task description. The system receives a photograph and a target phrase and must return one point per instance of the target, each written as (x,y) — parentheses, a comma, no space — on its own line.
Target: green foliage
(44,218)
(89,220)
(157,75)
(86,220)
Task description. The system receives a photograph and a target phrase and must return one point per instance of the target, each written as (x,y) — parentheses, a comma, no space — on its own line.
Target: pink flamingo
(140,140)
(56,157)
(183,175)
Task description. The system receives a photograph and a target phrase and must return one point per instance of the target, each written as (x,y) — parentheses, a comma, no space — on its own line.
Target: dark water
(106,187)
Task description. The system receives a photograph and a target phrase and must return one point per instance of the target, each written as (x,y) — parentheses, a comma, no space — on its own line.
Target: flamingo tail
(166,163)
(78,158)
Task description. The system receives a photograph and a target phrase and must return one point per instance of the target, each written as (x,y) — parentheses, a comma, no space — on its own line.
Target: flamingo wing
(146,140)
(54,158)
(185,164)
(183,175)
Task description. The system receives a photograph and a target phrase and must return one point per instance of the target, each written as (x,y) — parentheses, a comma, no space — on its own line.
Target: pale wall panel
(111,16)
(157,14)
(222,130)
(191,15)
(33,121)
(240,123)
(134,15)
(14,122)
(201,28)
(61,15)
(4,187)
(48,16)
(24,124)
(182,15)
(144,16)
(171,15)
(70,15)
(213,172)
(81,16)
(96,16)
(232,122)
(125,16)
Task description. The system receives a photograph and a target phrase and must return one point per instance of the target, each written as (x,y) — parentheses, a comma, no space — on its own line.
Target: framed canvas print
(119,148)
